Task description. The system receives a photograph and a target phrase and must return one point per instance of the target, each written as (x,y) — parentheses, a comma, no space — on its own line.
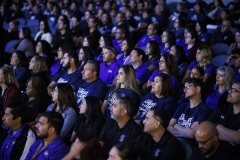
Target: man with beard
(70,74)
(188,116)
(16,141)
(227,119)
(210,147)
(51,145)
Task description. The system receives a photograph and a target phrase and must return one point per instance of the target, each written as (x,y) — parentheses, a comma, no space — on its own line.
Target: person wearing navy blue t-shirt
(161,97)
(189,115)
(70,75)
(126,85)
(91,84)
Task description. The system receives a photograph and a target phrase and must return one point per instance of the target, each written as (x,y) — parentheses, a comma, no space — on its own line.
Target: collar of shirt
(18,133)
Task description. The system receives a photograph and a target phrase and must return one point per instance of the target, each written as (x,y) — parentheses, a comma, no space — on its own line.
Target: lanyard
(38,151)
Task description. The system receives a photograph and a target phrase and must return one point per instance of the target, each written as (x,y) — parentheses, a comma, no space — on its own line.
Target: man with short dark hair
(109,67)
(51,145)
(136,58)
(91,84)
(152,30)
(188,116)
(70,75)
(227,119)
(235,57)
(157,142)
(120,35)
(17,140)
(122,127)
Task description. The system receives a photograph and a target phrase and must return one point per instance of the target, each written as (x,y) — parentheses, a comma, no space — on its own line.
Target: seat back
(187,147)
(10,45)
(220,48)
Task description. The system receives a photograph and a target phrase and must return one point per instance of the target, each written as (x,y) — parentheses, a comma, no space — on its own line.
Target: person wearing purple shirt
(50,145)
(120,34)
(18,138)
(137,57)
(91,84)
(191,39)
(168,40)
(109,67)
(151,35)
(203,35)
(190,114)
(161,97)
(224,80)
(126,48)
(56,67)
(153,54)
(168,65)
(178,30)
(71,75)
(203,59)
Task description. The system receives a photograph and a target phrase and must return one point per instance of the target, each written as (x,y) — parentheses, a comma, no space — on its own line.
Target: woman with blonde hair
(203,59)
(10,92)
(126,85)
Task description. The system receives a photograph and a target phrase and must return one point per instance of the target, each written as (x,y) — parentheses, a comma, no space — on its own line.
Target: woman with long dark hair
(26,42)
(64,103)
(83,56)
(44,32)
(161,97)
(90,121)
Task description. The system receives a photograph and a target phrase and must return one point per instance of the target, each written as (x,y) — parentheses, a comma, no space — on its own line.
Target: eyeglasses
(161,61)
(204,142)
(233,90)
(188,86)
